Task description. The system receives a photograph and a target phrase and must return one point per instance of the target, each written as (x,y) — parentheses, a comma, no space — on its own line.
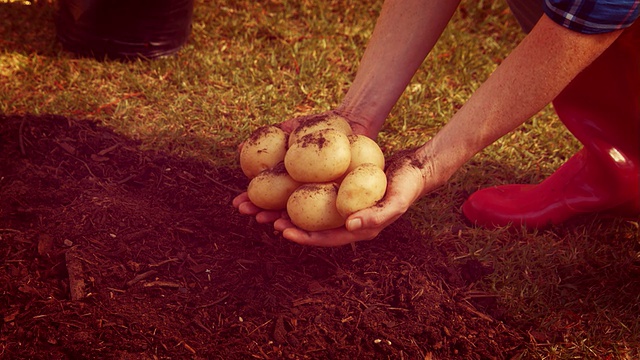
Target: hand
(406,184)
(246,207)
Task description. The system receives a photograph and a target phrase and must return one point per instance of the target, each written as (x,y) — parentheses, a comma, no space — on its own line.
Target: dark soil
(112,252)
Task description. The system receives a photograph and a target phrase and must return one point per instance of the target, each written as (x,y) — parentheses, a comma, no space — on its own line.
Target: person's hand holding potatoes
(329,176)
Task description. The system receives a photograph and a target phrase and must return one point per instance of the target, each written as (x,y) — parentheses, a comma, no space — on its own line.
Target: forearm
(536,71)
(404,34)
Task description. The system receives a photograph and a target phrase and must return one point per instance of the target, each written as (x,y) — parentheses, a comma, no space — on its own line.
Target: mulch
(113,252)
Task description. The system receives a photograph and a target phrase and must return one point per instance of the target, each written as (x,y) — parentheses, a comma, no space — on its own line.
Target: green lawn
(574,288)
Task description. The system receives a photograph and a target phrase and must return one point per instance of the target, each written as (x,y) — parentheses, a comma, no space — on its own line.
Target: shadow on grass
(28,28)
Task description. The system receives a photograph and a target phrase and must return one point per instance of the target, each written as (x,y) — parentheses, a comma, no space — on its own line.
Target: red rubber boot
(601,107)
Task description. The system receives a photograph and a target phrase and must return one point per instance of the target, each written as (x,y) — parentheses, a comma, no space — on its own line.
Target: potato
(321,156)
(263,150)
(312,207)
(271,189)
(331,122)
(364,150)
(360,189)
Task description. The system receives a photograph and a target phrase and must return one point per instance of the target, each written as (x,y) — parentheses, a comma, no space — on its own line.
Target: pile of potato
(320,173)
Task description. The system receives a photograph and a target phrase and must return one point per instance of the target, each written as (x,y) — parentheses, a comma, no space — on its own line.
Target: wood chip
(45,244)
(160,283)
(68,148)
(74,268)
(279,331)
(98,158)
(141,277)
(108,150)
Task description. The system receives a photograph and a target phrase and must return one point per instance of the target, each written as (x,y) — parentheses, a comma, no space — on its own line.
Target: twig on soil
(120,182)
(289,292)
(87,166)
(264,355)
(186,346)
(116,290)
(201,325)
(20,137)
(235,190)
(164,262)
(104,152)
(261,326)
(470,309)
(160,283)
(305,301)
(136,235)
(359,301)
(141,277)
(213,303)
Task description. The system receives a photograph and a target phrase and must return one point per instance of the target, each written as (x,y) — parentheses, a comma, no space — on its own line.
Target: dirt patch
(113,252)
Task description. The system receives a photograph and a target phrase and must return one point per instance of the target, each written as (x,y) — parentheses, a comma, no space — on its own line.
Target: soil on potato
(112,252)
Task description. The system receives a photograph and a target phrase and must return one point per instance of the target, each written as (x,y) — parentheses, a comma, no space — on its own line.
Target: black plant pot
(124,29)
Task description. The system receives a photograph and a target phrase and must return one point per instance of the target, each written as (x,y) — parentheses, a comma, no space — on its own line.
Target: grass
(574,289)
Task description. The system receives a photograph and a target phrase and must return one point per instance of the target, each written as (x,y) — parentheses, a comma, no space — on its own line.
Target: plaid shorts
(593,17)
(585,16)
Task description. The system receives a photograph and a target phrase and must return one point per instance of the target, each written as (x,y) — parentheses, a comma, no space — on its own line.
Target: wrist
(435,166)
(363,115)
(361,123)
